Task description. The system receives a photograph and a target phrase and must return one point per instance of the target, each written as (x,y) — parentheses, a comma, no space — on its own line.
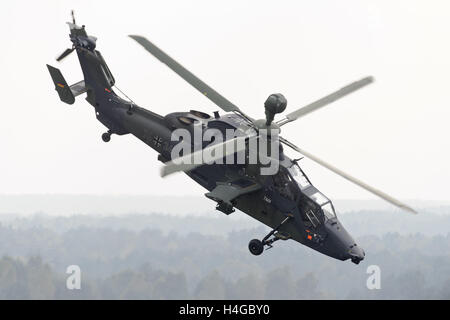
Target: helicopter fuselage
(286,201)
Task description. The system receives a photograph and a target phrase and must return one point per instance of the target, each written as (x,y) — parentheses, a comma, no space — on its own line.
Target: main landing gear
(256,246)
(106,137)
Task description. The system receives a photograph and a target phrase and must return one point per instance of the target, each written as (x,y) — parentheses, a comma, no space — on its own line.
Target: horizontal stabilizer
(78,88)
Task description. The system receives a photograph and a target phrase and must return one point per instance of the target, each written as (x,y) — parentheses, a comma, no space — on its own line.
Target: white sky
(393,134)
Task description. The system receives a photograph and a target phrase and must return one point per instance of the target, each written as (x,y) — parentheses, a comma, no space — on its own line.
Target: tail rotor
(68,51)
(63,55)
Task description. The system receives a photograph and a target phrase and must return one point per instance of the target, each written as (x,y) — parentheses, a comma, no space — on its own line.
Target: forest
(160,256)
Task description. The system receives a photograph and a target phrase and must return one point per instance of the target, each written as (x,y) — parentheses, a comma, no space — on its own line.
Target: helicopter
(285,200)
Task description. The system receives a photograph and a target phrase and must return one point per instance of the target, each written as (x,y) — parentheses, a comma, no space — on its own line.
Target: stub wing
(226,192)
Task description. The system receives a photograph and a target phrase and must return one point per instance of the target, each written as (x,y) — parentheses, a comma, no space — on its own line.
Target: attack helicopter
(284,200)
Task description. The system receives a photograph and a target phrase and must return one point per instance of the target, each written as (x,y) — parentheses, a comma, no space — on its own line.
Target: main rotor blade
(188,162)
(356,181)
(198,84)
(325,100)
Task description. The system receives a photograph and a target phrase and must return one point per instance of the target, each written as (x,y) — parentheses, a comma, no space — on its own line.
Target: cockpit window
(299,176)
(319,198)
(324,203)
(328,210)
(311,192)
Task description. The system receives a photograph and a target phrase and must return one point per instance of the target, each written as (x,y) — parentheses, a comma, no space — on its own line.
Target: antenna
(73,17)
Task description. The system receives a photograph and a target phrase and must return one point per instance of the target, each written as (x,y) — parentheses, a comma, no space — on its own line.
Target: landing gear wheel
(106,137)
(256,247)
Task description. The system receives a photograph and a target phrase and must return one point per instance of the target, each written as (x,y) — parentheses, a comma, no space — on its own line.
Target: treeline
(146,263)
(360,223)
(34,279)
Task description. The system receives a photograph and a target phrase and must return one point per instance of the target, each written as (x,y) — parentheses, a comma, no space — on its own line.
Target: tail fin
(66,93)
(97,77)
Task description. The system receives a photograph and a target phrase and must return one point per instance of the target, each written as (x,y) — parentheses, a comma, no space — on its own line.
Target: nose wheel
(256,246)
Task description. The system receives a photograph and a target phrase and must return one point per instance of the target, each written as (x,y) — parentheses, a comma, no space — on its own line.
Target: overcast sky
(393,135)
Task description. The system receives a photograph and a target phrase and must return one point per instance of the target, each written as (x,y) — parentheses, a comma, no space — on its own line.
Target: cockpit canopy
(312,192)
